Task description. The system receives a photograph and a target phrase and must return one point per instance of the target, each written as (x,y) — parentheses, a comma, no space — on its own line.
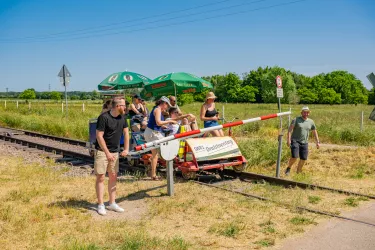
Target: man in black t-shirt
(109,128)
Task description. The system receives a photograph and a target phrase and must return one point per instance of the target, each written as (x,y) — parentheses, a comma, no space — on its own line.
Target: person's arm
(143,110)
(159,122)
(126,141)
(316,138)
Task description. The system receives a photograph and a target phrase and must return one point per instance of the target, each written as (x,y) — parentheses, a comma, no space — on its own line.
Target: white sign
(279,82)
(279,93)
(213,148)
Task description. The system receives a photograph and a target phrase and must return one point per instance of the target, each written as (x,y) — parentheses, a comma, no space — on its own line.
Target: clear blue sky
(310,37)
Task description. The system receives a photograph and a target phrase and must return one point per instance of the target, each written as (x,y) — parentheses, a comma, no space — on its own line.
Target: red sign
(159,85)
(279,82)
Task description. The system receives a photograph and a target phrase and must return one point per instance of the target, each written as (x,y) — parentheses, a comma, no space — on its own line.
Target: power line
(118,23)
(172,24)
(151,22)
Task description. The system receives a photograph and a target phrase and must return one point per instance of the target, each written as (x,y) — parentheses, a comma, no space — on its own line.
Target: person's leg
(99,187)
(215,133)
(221,132)
(294,149)
(113,168)
(154,162)
(303,153)
(300,165)
(100,167)
(136,127)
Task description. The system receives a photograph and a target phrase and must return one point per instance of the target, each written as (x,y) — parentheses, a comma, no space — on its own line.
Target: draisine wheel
(189,175)
(239,168)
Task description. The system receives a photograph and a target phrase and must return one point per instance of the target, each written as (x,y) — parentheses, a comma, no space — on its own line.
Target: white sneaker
(115,207)
(101,210)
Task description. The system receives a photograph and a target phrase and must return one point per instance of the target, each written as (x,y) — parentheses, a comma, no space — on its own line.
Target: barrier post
(170,184)
(279,150)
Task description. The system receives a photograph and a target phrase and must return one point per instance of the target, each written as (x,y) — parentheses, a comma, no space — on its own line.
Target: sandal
(156,178)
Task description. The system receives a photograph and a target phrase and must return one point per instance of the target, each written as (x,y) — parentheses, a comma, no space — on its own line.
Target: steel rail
(47,148)
(52,137)
(247,176)
(315,211)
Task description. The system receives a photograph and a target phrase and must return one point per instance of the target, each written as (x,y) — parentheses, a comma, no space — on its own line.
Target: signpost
(279,94)
(65,75)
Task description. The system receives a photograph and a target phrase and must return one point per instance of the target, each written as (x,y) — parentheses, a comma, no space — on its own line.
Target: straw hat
(210,95)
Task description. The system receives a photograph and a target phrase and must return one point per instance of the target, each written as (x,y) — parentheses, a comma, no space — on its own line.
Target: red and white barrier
(195,133)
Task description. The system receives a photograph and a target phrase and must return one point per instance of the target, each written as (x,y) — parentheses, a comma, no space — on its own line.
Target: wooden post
(62,107)
(5,104)
(17,104)
(29,105)
(83,107)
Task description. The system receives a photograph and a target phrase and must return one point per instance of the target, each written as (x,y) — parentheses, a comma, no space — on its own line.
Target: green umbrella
(123,80)
(175,83)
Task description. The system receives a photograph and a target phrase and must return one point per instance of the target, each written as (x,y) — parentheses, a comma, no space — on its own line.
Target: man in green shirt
(298,135)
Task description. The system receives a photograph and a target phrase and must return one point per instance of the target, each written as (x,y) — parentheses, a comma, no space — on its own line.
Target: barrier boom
(195,133)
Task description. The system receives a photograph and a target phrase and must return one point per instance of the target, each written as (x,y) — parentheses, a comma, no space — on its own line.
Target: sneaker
(101,210)
(115,207)
(287,171)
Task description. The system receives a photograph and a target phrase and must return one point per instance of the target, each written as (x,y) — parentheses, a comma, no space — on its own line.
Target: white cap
(305,108)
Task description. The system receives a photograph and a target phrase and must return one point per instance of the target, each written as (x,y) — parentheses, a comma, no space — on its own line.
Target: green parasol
(123,80)
(175,83)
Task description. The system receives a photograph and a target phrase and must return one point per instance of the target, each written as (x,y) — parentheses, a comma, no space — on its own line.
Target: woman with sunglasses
(137,114)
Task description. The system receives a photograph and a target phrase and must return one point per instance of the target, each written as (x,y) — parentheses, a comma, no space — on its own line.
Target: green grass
(351,202)
(314,199)
(300,220)
(265,242)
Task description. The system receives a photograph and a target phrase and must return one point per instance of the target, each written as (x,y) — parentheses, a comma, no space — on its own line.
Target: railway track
(77,158)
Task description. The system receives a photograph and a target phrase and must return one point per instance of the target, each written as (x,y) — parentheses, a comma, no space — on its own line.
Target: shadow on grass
(84,204)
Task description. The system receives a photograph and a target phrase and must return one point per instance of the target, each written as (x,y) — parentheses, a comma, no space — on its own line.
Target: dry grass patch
(40,207)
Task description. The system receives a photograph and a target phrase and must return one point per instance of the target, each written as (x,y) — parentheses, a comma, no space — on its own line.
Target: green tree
(351,89)
(28,94)
(329,96)
(56,95)
(95,95)
(307,96)
(268,85)
(254,79)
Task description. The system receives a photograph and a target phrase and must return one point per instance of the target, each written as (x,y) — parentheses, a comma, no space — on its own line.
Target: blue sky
(309,37)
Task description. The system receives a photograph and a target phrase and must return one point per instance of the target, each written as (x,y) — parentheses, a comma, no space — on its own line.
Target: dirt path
(339,234)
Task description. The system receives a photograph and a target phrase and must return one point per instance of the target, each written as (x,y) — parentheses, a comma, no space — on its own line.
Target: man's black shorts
(299,150)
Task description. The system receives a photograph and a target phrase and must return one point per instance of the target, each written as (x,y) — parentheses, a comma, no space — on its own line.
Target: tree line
(31,94)
(256,86)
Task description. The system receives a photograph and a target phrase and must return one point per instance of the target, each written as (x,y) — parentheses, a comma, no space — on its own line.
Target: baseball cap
(165,99)
(136,96)
(305,108)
